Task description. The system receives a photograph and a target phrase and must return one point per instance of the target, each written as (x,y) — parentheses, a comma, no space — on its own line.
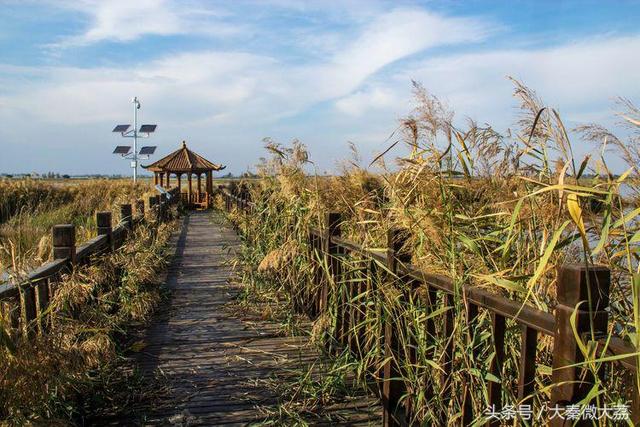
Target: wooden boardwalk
(214,363)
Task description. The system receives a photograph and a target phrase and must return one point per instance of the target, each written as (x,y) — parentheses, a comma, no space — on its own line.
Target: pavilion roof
(183,160)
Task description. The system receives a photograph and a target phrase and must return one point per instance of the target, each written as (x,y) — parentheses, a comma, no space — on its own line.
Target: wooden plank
(216,360)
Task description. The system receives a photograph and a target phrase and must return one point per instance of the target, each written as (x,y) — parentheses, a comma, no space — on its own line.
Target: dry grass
(30,208)
(68,374)
(491,210)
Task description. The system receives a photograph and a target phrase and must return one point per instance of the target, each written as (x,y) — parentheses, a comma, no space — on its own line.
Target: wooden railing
(577,284)
(26,302)
(200,200)
(237,201)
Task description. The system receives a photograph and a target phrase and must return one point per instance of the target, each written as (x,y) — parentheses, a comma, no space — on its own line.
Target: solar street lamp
(144,132)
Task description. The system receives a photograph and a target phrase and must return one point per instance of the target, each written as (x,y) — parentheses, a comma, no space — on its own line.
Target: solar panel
(148,128)
(122,149)
(121,128)
(148,150)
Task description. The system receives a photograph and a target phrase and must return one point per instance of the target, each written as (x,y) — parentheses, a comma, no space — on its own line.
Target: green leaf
(542,264)
(624,176)
(501,282)
(469,243)
(514,217)
(626,218)
(604,235)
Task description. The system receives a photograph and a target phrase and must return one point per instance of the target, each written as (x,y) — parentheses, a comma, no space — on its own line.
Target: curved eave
(215,168)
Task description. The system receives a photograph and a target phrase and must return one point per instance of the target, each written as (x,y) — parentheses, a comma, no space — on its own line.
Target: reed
(31,208)
(485,209)
(74,374)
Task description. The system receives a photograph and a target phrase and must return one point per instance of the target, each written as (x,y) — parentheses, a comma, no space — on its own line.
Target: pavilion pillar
(189,189)
(179,175)
(161,179)
(155,178)
(168,175)
(199,186)
(209,188)
(209,182)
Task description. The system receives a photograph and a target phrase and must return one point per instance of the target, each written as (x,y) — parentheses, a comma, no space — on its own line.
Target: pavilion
(185,162)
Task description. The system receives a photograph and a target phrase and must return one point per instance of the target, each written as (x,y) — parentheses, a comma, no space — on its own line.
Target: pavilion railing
(202,198)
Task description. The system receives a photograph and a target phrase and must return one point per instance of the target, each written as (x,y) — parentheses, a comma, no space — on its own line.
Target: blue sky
(224,75)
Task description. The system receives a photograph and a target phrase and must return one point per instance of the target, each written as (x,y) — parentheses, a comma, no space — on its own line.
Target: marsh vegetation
(497,211)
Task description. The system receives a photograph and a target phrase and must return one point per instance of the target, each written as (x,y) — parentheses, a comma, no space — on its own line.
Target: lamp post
(135,133)
(136,107)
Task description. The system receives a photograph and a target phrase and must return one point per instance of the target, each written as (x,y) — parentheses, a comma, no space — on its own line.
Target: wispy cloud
(126,20)
(244,70)
(577,77)
(204,82)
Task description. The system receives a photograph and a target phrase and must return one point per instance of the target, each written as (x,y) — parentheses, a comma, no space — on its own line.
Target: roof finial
(184,144)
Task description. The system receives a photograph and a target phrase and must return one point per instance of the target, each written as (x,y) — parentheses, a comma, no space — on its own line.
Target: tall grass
(28,195)
(500,211)
(34,207)
(72,374)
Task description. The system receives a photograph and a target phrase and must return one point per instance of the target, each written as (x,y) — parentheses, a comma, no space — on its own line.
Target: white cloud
(577,78)
(365,73)
(387,39)
(187,86)
(366,100)
(207,83)
(126,20)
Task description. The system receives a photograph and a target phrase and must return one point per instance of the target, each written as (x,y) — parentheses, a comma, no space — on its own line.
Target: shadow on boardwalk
(212,362)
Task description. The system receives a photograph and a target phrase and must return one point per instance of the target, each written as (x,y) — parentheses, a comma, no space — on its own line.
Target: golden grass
(485,209)
(60,376)
(32,208)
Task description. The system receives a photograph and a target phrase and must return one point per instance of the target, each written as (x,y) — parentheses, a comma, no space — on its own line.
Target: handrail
(577,285)
(521,313)
(30,296)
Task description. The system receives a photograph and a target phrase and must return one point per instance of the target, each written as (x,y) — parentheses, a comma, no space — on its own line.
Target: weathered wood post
(313,292)
(125,215)
(332,221)
(393,387)
(152,201)
(584,293)
(103,222)
(140,208)
(64,242)
(63,247)
(498,329)
(163,206)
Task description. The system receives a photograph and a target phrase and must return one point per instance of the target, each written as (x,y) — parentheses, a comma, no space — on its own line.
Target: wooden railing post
(64,242)
(103,222)
(163,206)
(332,221)
(125,215)
(498,328)
(314,293)
(584,293)
(152,201)
(140,207)
(393,386)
